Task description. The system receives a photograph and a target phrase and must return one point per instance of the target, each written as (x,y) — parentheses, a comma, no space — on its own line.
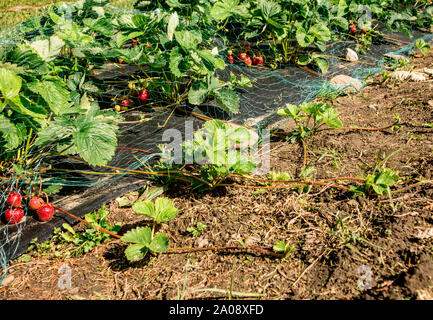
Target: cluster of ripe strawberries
(256,60)
(142,96)
(15,213)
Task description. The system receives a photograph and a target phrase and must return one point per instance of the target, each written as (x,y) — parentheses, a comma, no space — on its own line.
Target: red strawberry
(243,56)
(126,103)
(353,29)
(231,59)
(45,212)
(258,60)
(134,42)
(14,199)
(36,202)
(247,47)
(248,61)
(14,216)
(143,96)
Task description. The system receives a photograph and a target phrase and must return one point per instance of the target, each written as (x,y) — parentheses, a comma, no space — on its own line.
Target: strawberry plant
(297,31)
(213,154)
(283,248)
(310,117)
(144,239)
(74,133)
(379,181)
(422,46)
(195,230)
(42,92)
(85,241)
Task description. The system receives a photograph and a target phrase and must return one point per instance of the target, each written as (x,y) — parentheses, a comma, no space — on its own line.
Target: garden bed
(341,247)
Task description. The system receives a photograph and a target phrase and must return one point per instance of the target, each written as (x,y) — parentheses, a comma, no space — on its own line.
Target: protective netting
(66,73)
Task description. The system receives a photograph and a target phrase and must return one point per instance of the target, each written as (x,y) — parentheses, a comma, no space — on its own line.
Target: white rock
(396,57)
(428,71)
(346,83)
(7,281)
(351,55)
(250,241)
(425,234)
(408,75)
(417,76)
(202,242)
(401,75)
(425,294)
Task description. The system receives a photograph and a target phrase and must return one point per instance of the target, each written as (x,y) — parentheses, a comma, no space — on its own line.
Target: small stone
(353,203)
(424,294)
(252,241)
(425,234)
(74,290)
(346,83)
(7,281)
(202,242)
(417,76)
(396,57)
(351,55)
(428,71)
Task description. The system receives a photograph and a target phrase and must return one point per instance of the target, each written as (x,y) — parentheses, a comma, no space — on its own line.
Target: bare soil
(343,248)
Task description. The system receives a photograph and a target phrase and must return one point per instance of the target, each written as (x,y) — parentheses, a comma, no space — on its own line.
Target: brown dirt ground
(335,237)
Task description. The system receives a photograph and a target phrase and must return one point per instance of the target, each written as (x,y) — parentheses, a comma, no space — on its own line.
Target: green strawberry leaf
(227,99)
(141,235)
(136,252)
(159,243)
(165,210)
(145,208)
(10,83)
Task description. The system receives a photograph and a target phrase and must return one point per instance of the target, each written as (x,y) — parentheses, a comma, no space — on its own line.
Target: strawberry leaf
(330,117)
(136,252)
(9,133)
(321,32)
(165,210)
(173,22)
(10,83)
(48,49)
(227,99)
(145,208)
(54,93)
(159,243)
(141,235)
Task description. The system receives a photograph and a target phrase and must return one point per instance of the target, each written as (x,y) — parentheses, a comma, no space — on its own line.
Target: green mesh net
(72,112)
